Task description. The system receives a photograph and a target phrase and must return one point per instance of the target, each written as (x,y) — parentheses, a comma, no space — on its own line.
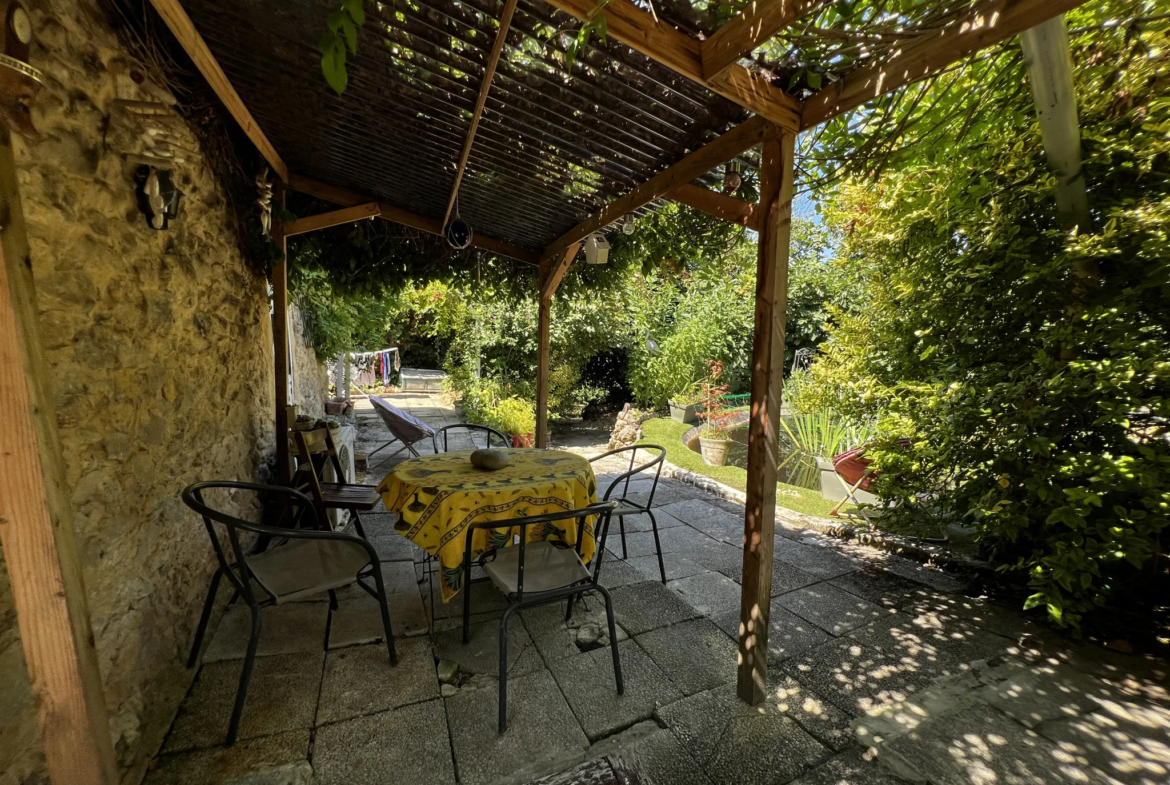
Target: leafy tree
(1029,368)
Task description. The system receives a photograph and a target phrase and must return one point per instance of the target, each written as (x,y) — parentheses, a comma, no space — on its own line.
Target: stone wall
(312,377)
(160,348)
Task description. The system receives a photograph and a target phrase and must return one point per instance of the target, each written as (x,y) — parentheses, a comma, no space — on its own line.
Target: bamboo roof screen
(557,143)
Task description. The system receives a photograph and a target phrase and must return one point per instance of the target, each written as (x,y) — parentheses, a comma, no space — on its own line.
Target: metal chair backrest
(472,429)
(237,571)
(601,509)
(633,470)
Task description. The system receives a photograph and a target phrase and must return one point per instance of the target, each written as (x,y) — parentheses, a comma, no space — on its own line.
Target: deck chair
(403,427)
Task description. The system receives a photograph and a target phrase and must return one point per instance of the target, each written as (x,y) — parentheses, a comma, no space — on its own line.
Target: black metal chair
(537,573)
(472,429)
(310,561)
(626,506)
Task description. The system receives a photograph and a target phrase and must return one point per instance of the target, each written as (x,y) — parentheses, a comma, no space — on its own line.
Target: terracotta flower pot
(714,451)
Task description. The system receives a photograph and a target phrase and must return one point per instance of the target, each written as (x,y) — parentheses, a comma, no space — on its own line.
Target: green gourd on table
(489,459)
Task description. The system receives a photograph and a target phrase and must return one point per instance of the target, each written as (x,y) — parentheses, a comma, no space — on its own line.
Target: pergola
(461,103)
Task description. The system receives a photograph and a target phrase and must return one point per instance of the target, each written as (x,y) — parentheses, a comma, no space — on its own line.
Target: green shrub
(513,416)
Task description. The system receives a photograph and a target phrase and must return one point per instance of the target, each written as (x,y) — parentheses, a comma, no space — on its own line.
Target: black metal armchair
(627,506)
(310,561)
(536,573)
(472,429)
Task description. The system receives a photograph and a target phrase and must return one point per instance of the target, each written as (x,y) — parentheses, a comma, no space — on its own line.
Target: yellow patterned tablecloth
(437,497)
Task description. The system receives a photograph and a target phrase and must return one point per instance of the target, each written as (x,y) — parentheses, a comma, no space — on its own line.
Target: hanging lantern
(732,177)
(158,197)
(629,226)
(458,231)
(596,249)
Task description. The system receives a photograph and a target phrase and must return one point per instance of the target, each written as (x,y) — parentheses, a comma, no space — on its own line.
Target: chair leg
(204,617)
(245,677)
(657,546)
(380,585)
(504,668)
(613,641)
(622,529)
(569,607)
(357,524)
(332,600)
(466,601)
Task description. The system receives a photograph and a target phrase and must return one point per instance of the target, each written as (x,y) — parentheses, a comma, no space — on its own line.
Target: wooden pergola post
(280,343)
(776,185)
(550,278)
(36,526)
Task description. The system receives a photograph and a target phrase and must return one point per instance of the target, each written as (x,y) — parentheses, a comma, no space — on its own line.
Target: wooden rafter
(184,30)
(489,73)
(640,31)
(390,213)
(987,24)
(695,164)
(714,203)
(556,272)
(751,27)
(346,215)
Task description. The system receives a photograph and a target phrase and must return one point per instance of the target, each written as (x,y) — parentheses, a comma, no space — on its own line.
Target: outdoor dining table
(437,497)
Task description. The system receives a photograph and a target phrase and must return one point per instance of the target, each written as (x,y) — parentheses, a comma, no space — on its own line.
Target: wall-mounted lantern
(158,196)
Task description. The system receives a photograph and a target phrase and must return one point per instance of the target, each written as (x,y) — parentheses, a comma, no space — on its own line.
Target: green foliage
(341,36)
(822,434)
(513,416)
(1029,368)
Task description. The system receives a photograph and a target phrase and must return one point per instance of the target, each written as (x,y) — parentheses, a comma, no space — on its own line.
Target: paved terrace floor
(882,671)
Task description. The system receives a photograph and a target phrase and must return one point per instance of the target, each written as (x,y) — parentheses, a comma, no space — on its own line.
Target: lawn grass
(668,433)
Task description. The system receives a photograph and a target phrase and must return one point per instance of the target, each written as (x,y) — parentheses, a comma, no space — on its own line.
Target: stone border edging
(891,543)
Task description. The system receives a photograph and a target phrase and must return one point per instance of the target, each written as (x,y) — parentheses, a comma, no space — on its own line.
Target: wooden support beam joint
(313,223)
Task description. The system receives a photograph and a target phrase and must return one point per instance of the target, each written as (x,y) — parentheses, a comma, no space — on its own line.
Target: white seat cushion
(304,567)
(546,567)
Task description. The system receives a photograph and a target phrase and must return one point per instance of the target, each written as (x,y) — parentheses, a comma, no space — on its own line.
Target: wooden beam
(714,203)
(662,43)
(751,27)
(929,53)
(390,213)
(184,30)
(556,273)
(776,188)
(551,277)
(485,86)
(346,215)
(36,526)
(280,345)
(699,162)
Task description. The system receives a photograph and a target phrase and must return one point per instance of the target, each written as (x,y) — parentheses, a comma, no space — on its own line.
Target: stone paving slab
(695,655)
(641,522)
(281,758)
(720,557)
(641,607)
(485,598)
(481,653)
(737,743)
(833,610)
(1130,742)
(821,562)
(282,696)
(980,744)
(788,634)
(542,731)
(588,685)
(676,564)
(615,572)
(882,588)
(713,521)
(408,745)
(709,593)
(285,629)
(359,621)
(554,637)
(664,761)
(360,680)
(786,578)
(848,768)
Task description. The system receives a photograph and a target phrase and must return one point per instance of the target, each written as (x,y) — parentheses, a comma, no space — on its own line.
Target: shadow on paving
(876,675)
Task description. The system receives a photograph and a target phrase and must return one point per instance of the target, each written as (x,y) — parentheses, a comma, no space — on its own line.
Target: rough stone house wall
(312,377)
(160,348)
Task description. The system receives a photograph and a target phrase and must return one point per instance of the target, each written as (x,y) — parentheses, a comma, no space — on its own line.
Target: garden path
(882,671)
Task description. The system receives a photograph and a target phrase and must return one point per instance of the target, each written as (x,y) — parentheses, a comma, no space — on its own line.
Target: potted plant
(714,443)
(684,405)
(517,418)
